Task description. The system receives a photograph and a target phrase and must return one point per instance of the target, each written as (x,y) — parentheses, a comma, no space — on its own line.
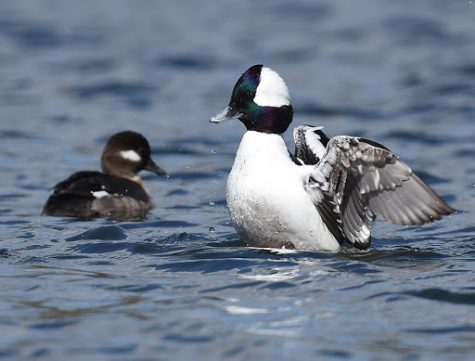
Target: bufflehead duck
(117,193)
(328,192)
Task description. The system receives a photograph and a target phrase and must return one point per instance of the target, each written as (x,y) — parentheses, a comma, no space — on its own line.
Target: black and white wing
(310,146)
(310,143)
(363,179)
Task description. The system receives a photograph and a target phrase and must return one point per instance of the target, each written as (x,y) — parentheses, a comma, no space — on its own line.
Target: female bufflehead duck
(328,193)
(118,193)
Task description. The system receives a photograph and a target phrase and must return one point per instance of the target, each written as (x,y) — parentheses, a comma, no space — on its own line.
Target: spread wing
(363,179)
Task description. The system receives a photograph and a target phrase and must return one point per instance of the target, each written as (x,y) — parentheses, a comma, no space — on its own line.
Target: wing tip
(362,244)
(360,239)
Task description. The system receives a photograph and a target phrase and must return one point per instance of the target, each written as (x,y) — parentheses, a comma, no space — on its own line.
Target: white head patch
(271,91)
(131,155)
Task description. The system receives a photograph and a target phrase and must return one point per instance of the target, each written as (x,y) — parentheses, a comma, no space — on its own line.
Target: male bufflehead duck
(118,193)
(329,192)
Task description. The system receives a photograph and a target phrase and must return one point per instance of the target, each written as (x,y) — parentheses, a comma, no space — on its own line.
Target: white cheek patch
(131,155)
(100,194)
(271,91)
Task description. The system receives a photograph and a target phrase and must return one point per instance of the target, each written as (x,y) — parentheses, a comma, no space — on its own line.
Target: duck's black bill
(227,114)
(153,167)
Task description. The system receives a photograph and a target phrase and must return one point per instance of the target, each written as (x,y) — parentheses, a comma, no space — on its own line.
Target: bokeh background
(181,284)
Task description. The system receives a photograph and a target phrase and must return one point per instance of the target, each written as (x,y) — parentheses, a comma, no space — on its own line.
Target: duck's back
(90,194)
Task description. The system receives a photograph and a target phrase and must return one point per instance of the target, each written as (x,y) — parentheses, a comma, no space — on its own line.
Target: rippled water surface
(181,285)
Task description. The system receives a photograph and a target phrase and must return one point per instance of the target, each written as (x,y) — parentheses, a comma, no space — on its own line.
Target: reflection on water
(181,284)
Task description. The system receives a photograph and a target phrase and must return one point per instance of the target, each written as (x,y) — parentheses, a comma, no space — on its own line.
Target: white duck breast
(267,199)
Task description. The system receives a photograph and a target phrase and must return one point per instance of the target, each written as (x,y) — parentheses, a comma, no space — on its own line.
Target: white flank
(271,91)
(100,194)
(130,155)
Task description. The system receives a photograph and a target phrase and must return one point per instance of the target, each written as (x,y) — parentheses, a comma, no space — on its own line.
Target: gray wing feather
(356,216)
(365,181)
(412,202)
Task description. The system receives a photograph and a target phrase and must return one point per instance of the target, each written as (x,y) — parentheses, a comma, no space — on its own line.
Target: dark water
(181,285)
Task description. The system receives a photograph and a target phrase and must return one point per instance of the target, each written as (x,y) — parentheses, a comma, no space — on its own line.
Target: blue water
(181,285)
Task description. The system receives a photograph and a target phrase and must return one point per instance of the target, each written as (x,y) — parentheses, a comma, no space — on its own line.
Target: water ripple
(413,30)
(17,134)
(190,61)
(433,294)
(443,330)
(135,94)
(106,233)
(438,294)
(38,35)
(314,109)
(411,136)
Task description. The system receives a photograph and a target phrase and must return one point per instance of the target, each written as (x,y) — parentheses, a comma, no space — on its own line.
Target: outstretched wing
(364,179)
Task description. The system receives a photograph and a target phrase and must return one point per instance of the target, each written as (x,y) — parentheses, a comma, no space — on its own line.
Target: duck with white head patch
(328,193)
(118,193)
